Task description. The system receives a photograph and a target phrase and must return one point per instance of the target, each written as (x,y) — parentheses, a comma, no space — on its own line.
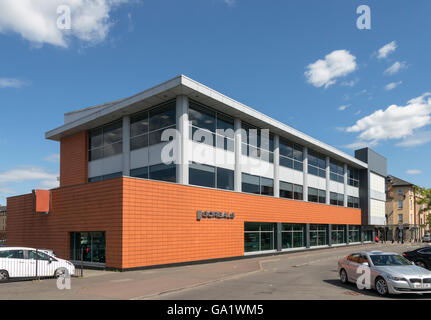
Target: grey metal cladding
(376,162)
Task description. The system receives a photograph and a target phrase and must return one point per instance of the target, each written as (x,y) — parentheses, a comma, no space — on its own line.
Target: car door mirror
(50,260)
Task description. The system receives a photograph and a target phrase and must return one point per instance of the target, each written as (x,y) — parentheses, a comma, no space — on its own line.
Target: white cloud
(395,68)
(36,20)
(350,83)
(343,107)
(55,158)
(393,85)
(11,83)
(416,139)
(28,174)
(386,50)
(338,63)
(396,122)
(229,2)
(414,171)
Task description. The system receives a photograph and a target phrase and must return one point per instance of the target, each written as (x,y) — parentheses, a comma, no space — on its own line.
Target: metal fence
(16,264)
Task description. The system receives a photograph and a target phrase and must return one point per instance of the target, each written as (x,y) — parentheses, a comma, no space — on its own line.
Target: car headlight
(397,278)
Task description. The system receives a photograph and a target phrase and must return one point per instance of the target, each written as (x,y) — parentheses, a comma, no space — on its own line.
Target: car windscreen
(389,260)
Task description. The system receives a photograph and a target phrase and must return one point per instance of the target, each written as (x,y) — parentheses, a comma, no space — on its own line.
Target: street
(302,275)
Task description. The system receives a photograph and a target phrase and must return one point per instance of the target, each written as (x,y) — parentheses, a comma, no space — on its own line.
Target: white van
(21,262)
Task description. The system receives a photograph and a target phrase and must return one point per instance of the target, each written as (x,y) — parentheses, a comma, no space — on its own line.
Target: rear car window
(12,254)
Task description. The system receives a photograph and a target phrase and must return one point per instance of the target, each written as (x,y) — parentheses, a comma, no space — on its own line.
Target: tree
(424,199)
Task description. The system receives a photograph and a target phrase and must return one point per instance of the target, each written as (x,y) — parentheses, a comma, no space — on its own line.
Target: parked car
(390,273)
(426,238)
(421,257)
(21,262)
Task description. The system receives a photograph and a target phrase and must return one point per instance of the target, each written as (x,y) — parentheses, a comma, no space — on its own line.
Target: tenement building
(181,173)
(406,221)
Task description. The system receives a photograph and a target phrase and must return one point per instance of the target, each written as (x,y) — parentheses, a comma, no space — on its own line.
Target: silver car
(386,272)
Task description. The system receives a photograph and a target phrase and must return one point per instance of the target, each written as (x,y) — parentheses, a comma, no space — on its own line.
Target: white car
(426,238)
(21,262)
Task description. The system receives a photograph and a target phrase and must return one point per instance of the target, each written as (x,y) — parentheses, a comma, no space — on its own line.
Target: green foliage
(424,198)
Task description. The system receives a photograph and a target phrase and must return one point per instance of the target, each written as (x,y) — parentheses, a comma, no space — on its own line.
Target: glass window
(286,190)
(202,117)
(90,245)
(139,173)
(313,195)
(352,176)
(257,143)
(291,155)
(352,202)
(217,129)
(146,127)
(163,172)
(105,141)
(201,175)
(266,186)
(258,236)
(12,254)
(106,177)
(250,183)
(318,236)
(225,179)
(162,117)
(336,171)
(354,234)
(400,204)
(337,199)
(292,235)
(338,234)
(297,192)
(322,196)
(316,164)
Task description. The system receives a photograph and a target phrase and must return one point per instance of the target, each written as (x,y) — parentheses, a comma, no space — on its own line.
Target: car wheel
(420,264)
(4,276)
(60,272)
(343,276)
(381,286)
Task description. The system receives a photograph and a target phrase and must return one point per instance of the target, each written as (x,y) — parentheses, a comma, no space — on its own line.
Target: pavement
(302,275)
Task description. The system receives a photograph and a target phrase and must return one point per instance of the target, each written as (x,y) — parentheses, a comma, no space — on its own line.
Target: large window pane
(286,190)
(162,117)
(251,241)
(139,172)
(139,124)
(202,117)
(266,186)
(250,183)
(201,175)
(297,192)
(163,172)
(95,138)
(225,179)
(112,133)
(313,195)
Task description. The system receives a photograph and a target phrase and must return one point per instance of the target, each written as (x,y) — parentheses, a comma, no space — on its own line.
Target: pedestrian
(376,239)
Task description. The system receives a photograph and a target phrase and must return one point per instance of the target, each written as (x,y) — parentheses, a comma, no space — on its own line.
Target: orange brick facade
(152,223)
(74,159)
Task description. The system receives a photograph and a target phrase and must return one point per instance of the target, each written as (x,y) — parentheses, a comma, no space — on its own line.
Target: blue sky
(262,53)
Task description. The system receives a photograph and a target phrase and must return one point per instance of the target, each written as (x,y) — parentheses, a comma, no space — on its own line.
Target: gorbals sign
(214,215)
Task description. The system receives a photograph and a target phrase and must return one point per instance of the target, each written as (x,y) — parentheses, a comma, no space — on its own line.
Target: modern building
(2,225)
(405,219)
(181,173)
